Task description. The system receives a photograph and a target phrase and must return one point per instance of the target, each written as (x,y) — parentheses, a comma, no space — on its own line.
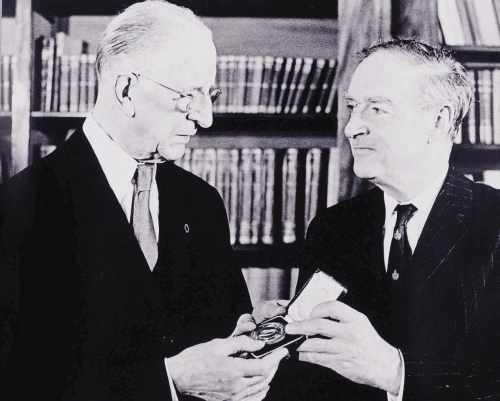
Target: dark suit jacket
(82,317)
(451,293)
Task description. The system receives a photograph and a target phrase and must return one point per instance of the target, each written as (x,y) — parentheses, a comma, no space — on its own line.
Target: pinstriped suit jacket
(451,297)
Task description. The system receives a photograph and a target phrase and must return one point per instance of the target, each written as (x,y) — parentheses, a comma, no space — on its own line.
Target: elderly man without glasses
(419,254)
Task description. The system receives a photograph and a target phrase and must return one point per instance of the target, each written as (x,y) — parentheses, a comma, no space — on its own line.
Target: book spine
(221,105)
(241,83)
(250,72)
(471,120)
(313,85)
(6,82)
(48,104)
(273,94)
(484,86)
(74,82)
(301,86)
(332,189)
(44,63)
(231,84)
(465,22)
(83,81)
(294,82)
(267,226)
(245,196)
(65,83)
(266,84)
(234,191)
(284,86)
(289,195)
(92,87)
(450,22)
(255,85)
(209,166)
(222,177)
(256,195)
(314,156)
(496,106)
(488,26)
(327,93)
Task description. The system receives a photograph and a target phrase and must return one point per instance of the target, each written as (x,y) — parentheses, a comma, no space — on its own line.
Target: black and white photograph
(250,200)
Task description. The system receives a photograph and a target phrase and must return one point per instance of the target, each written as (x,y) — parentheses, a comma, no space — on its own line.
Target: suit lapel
(174,219)
(105,232)
(445,226)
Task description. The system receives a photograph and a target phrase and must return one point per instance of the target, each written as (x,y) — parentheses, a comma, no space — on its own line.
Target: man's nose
(201,111)
(355,126)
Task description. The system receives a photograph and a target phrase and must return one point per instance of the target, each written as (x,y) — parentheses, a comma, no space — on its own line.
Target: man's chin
(363,172)
(173,151)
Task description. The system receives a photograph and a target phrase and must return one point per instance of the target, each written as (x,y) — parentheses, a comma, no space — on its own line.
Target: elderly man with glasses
(117,279)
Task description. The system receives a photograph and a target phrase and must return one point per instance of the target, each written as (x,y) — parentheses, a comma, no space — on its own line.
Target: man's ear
(123,93)
(443,122)
(444,119)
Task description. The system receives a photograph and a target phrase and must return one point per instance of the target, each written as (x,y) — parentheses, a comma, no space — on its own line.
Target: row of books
(482,124)
(7,63)
(250,84)
(246,179)
(254,84)
(470,22)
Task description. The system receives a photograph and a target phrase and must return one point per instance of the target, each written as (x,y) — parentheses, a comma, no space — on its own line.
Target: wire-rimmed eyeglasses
(186,98)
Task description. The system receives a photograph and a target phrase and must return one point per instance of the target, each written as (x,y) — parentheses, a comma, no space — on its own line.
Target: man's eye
(376,110)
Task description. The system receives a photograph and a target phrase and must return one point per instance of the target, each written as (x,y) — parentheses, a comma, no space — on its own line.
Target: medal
(395,275)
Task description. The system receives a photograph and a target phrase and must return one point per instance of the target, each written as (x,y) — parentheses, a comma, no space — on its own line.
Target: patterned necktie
(142,221)
(400,252)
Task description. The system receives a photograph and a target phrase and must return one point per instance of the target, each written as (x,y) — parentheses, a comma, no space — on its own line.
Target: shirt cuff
(399,396)
(173,392)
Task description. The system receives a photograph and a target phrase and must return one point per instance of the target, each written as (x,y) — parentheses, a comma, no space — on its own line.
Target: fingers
(324,346)
(318,359)
(262,367)
(234,345)
(312,327)
(244,325)
(336,310)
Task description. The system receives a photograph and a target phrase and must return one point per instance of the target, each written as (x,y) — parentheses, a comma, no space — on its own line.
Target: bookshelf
(33,129)
(476,154)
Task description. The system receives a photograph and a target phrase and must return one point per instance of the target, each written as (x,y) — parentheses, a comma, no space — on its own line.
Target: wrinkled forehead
(384,74)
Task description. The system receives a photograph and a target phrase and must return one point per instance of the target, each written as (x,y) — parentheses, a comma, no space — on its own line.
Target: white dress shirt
(423,202)
(119,169)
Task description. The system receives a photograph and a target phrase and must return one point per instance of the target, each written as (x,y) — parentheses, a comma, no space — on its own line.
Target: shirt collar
(423,201)
(118,167)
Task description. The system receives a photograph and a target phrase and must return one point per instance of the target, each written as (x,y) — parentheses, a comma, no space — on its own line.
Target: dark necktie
(400,251)
(142,221)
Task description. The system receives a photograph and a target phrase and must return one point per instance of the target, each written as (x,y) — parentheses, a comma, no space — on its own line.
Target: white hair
(447,79)
(143,27)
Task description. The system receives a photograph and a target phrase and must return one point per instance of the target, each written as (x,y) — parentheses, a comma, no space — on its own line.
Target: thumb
(233,345)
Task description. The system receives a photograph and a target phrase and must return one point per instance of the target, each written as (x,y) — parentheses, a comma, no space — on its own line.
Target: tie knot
(404,213)
(143,177)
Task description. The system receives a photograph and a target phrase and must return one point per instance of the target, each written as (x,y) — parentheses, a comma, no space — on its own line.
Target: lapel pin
(186,228)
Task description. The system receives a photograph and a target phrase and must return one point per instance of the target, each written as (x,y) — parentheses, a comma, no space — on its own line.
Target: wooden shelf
(476,158)
(478,56)
(216,8)
(246,124)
